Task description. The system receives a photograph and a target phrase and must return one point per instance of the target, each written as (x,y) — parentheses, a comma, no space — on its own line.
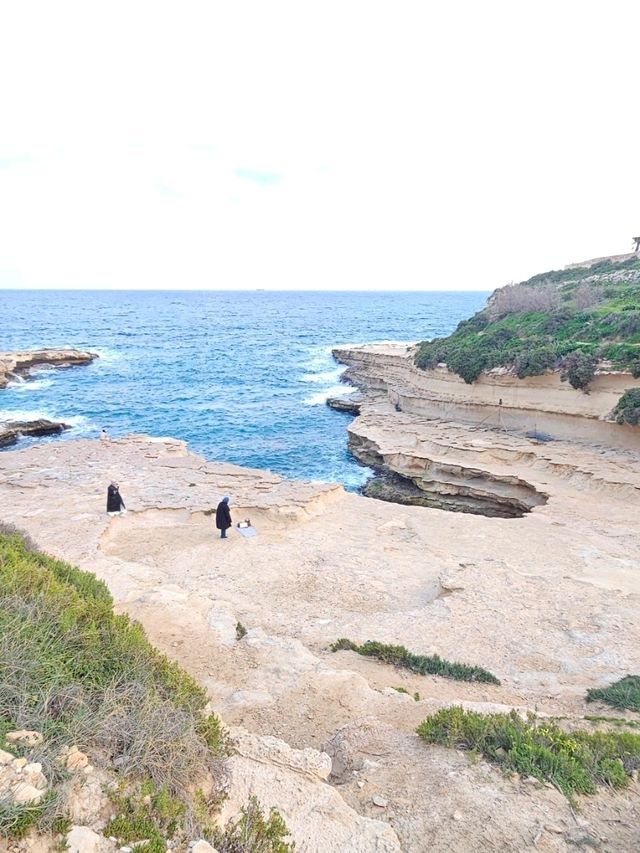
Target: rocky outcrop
(349,403)
(295,782)
(434,475)
(11,431)
(15,365)
(21,781)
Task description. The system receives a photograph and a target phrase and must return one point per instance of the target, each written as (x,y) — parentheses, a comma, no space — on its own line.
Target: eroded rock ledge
(498,399)
(11,431)
(15,365)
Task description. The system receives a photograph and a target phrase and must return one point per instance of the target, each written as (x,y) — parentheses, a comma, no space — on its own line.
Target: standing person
(223,517)
(114,500)
(104,435)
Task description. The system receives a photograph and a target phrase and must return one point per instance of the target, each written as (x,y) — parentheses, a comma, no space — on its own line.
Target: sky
(314,145)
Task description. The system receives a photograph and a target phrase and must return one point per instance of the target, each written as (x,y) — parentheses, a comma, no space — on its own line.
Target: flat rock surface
(547,602)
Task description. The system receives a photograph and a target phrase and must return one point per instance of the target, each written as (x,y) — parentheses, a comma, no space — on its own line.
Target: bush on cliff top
(627,409)
(78,673)
(566,320)
(422,664)
(575,762)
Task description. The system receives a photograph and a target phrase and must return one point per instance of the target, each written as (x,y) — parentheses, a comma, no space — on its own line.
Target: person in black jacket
(114,499)
(223,517)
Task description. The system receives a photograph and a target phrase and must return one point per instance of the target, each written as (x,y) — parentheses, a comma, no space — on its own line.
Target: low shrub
(145,814)
(624,693)
(578,369)
(575,762)
(422,664)
(627,409)
(252,832)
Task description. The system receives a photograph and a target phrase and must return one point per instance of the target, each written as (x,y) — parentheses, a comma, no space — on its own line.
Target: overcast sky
(314,145)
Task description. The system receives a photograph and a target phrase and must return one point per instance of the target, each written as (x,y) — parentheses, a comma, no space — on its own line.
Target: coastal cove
(351,650)
(242,377)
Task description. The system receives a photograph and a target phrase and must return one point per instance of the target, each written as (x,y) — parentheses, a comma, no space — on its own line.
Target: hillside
(575,320)
(98,730)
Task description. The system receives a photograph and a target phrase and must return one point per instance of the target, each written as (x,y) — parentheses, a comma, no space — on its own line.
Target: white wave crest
(24,415)
(107,356)
(34,385)
(326,376)
(320,398)
(80,425)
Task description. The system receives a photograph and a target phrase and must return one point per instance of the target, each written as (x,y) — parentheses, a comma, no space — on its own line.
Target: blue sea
(241,376)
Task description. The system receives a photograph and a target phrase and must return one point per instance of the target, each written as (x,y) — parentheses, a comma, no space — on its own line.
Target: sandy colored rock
(30,738)
(23,792)
(76,760)
(82,839)
(314,812)
(562,580)
(19,364)
(203,846)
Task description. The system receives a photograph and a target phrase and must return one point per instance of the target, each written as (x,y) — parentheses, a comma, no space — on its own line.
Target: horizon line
(223,290)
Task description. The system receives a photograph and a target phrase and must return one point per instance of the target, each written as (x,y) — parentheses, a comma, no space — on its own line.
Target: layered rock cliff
(537,404)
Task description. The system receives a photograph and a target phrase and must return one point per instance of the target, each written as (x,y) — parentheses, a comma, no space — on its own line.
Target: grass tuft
(575,762)
(422,664)
(624,693)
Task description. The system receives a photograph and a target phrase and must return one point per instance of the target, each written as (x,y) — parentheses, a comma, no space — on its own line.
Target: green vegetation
(422,664)
(627,410)
(241,631)
(624,693)
(78,673)
(614,721)
(253,833)
(416,695)
(575,762)
(567,319)
(145,813)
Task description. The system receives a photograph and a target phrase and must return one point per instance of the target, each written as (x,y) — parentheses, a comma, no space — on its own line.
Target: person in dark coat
(223,517)
(114,499)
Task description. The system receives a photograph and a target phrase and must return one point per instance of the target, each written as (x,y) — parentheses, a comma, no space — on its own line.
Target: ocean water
(241,376)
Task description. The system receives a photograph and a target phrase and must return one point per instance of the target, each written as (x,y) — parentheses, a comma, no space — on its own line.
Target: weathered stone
(23,792)
(77,760)
(6,757)
(30,738)
(82,839)
(203,846)
(34,776)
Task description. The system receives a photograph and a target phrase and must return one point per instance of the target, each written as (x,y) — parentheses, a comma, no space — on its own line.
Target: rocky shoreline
(533,576)
(18,365)
(12,431)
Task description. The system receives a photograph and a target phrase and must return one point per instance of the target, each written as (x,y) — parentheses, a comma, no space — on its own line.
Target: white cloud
(307,145)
